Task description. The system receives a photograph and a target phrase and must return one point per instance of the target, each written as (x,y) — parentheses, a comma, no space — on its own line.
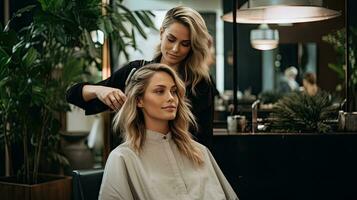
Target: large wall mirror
(258,71)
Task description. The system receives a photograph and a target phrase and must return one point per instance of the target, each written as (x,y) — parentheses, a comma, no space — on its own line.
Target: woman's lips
(171,55)
(169,108)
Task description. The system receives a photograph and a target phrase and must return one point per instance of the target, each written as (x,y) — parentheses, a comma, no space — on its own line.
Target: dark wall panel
(248,59)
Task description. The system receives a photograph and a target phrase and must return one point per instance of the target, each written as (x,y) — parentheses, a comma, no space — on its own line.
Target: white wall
(77,121)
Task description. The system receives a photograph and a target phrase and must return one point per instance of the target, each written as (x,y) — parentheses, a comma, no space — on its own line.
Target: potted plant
(299,112)
(37,64)
(268,98)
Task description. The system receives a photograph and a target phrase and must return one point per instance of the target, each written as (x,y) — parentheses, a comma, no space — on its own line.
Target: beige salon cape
(161,172)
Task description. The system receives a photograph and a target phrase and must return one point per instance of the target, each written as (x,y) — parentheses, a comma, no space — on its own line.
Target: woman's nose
(170,97)
(175,47)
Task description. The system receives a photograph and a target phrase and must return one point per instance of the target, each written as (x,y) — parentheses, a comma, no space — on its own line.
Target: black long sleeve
(74,94)
(202,108)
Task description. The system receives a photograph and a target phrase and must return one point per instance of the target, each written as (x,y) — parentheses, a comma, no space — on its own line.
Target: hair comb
(129,76)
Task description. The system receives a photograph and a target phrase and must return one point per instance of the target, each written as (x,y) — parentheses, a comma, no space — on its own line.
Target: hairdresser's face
(159,103)
(175,44)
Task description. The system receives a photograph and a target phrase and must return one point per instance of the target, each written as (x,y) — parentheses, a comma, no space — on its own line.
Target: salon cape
(161,172)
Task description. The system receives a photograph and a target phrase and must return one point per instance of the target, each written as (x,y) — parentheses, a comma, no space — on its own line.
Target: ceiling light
(264,38)
(281,11)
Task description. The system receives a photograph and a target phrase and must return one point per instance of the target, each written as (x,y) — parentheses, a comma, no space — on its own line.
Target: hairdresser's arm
(112,97)
(96,98)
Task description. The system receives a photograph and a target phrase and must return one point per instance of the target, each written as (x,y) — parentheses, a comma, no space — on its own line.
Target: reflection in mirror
(287,64)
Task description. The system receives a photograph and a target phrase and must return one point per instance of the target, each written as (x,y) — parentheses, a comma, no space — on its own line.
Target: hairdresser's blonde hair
(130,119)
(195,64)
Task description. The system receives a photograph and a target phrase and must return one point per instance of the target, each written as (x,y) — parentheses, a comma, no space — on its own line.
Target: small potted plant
(299,112)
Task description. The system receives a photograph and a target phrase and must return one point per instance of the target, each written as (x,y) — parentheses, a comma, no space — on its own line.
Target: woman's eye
(159,91)
(174,92)
(186,44)
(171,39)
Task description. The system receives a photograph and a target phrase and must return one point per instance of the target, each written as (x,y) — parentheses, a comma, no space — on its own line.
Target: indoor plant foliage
(40,61)
(270,97)
(338,40)
(299,112)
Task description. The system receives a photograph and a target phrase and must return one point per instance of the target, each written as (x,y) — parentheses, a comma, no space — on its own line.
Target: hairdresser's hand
(112,97)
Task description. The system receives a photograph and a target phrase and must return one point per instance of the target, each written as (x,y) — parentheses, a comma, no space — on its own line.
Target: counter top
(224,132)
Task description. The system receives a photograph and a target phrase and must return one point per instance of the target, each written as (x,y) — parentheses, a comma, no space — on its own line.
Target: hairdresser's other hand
(112,97)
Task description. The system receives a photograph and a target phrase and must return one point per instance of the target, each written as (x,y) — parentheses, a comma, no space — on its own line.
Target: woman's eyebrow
(164,86)
(171,35)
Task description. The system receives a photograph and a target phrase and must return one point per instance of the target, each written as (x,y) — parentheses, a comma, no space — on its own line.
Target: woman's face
(160,100)
(175,44)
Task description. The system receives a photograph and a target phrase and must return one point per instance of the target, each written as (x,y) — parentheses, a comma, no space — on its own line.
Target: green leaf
(4,58)
(118,21)
(338,69)
(18,47)
(108,26)
(143,16)
(51,6)
(72,70)
(30,57)
(130,17)
(92,50)
(101,26)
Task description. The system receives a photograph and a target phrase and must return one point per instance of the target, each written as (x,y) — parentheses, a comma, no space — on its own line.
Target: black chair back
(86,184)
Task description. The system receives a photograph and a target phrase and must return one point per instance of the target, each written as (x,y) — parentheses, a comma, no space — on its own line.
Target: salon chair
(86,184)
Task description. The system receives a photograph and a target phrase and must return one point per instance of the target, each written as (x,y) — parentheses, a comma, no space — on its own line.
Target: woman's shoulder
(202,95)
(205,86)
(139,63)
(133,64)
(200,146)
(123,151)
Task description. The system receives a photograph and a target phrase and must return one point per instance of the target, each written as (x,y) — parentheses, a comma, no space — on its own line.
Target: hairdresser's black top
(202,101)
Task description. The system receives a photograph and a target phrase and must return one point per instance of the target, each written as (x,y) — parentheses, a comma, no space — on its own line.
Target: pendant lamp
(264,38)
(281,11)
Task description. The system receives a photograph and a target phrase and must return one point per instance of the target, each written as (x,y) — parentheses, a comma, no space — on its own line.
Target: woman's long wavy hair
(130,119)
(194,67)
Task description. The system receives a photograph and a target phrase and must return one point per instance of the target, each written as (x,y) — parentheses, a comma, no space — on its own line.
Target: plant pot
(49,187)
(78,153)
(350,121)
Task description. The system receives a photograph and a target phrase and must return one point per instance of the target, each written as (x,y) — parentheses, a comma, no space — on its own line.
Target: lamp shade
(281,11)
(264,38)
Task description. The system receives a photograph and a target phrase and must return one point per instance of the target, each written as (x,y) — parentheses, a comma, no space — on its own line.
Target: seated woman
(159,159)
(288,82)
(309,84)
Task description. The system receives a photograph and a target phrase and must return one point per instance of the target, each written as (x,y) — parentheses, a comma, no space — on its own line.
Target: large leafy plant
(338,40)
(40,61)
(299,112)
